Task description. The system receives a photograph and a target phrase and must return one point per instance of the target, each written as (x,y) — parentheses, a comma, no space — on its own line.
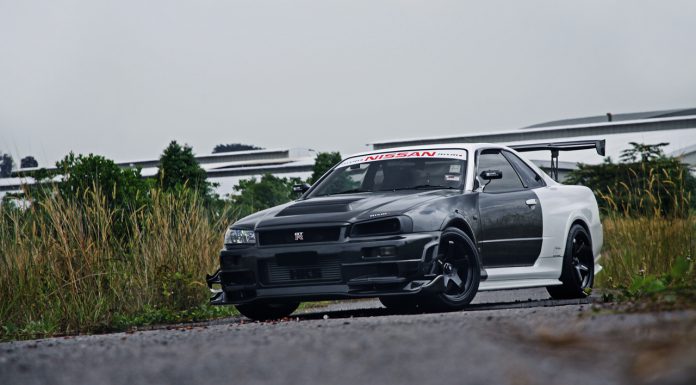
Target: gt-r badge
(299,236)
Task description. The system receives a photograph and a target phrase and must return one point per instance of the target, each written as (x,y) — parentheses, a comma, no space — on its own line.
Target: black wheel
(578,266)
(261,311)
(401,303)
(458,263)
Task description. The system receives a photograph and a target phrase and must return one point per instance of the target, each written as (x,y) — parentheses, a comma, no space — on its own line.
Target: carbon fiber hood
(343,208)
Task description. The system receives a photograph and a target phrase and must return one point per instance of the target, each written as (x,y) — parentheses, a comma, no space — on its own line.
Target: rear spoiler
(556,147)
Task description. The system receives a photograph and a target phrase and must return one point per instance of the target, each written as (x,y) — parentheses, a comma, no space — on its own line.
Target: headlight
(386,226)
(239,237)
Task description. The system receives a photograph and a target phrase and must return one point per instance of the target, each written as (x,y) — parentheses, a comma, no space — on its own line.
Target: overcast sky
(123,78)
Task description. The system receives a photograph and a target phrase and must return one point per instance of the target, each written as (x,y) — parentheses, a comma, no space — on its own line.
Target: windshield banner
(449,154)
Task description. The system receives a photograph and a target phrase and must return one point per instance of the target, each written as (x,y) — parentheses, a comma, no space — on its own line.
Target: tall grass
(649,238)
(63,270)
(649,192)
(641,247)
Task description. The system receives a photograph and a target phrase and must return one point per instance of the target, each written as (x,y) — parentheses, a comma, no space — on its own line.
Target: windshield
(429,169)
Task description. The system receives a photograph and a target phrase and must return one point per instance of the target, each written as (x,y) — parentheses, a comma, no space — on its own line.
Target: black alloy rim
(581,261)
(456,268)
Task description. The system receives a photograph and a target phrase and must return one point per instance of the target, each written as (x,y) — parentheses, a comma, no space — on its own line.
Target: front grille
(296,268)
(299,236)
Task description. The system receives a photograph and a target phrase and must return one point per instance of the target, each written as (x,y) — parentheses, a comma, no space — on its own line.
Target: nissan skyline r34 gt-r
(419,228)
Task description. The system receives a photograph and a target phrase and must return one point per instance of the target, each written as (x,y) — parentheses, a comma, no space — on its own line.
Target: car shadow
(313,314)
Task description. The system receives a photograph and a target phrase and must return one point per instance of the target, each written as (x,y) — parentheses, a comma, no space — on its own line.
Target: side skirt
(517,284)
(545,272)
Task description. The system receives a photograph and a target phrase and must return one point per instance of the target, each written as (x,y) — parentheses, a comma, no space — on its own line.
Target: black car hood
(343,208)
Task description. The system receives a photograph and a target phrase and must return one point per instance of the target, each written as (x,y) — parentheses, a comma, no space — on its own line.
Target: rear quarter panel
(563,205)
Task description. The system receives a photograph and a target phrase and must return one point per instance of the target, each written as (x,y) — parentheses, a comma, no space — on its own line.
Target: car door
(510,213)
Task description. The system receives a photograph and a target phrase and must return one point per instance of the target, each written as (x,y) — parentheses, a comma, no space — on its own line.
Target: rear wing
(556,147)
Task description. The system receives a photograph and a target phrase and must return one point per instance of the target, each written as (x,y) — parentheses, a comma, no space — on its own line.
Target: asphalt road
(497,341)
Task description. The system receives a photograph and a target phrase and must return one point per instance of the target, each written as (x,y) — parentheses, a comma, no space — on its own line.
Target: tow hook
(213,280)
(218,297)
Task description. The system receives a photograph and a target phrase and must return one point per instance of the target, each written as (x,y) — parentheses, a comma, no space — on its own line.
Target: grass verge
(649,262)
(65,270)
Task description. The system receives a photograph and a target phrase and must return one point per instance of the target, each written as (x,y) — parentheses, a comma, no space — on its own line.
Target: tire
(262,311)
(402,303)
(577,273)
(457,258)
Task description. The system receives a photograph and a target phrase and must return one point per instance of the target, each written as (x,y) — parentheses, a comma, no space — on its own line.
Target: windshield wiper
(355,190)
(424,186)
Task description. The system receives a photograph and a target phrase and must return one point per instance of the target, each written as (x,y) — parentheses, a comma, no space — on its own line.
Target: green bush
(75,175)
(255,195)
(646,182)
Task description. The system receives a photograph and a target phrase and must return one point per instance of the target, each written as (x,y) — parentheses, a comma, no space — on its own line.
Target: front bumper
(309,272)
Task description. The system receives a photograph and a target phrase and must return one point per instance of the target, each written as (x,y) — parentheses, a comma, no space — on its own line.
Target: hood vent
(302,209)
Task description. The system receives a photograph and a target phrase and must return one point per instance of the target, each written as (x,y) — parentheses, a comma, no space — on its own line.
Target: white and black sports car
(424,227)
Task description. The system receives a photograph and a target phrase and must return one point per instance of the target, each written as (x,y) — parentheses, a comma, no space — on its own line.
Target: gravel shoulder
(517,337)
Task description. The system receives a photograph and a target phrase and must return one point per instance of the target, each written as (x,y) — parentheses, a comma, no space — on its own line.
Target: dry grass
(650,237)
(645,246)
(62,269)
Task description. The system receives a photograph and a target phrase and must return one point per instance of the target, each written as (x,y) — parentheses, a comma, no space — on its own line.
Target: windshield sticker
(455,168)
(452,177)
(450,154)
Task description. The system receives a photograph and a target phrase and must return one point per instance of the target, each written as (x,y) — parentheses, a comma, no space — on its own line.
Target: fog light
(379,252)
(387,251)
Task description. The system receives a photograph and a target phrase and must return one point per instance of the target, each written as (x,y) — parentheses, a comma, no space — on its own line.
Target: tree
(642,152)
(232,147)
(123,189)
(255,195)
(646,182)
(323,163)
(178,168)
(6,165)
(28,162)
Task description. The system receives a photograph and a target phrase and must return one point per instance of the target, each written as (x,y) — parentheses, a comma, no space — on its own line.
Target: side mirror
(491,174)
(300,188)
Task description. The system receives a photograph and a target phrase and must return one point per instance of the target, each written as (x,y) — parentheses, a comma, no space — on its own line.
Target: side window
(494,160)
(531,178)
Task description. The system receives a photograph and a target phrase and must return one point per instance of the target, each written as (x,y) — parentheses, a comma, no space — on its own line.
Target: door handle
(531,202)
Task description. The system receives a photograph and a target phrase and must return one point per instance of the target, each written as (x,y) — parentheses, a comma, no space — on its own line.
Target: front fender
(461,222)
